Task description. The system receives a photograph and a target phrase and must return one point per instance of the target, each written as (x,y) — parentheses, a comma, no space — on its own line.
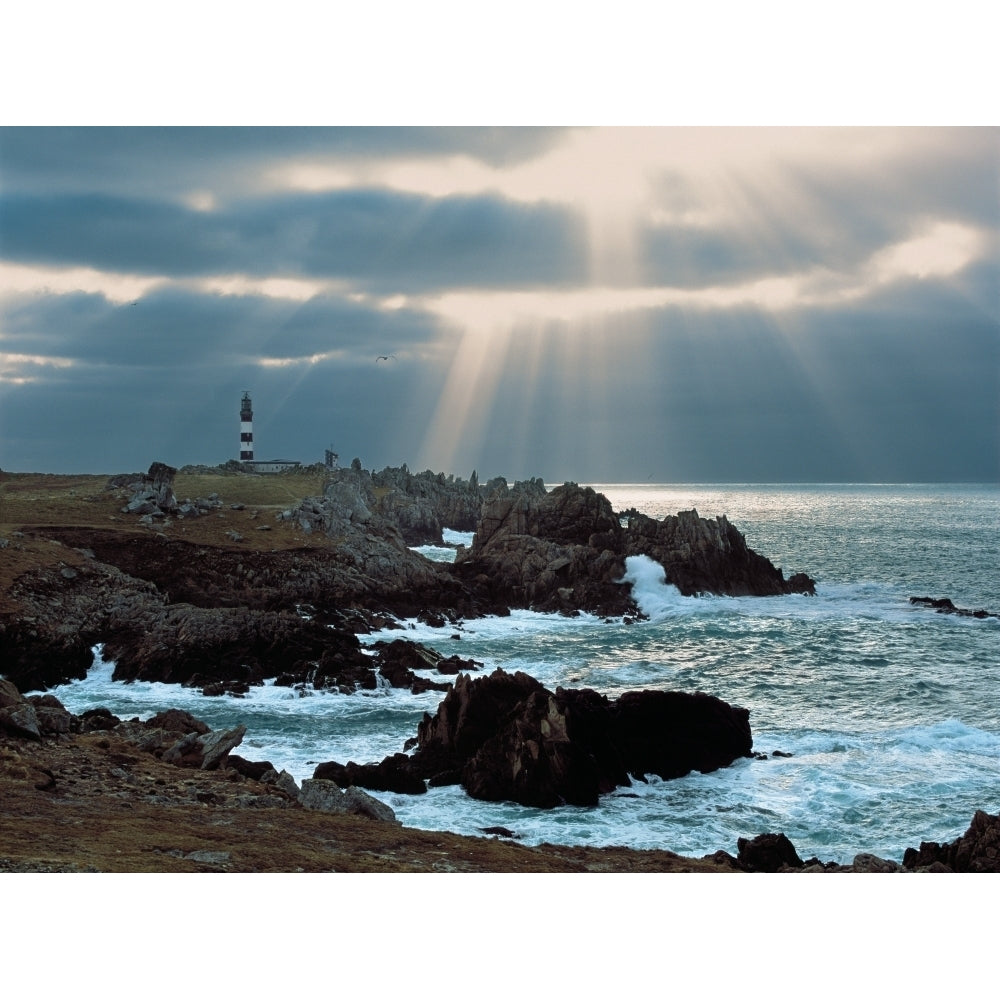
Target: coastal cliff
(233,593)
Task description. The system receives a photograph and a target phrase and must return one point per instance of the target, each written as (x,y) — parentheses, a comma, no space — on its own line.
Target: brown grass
(30,501)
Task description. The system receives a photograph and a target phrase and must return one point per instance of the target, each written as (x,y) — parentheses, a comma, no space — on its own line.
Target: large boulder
(769,852)
(205,751)
(326,796)
(506,737)
(34,717)
(153,493)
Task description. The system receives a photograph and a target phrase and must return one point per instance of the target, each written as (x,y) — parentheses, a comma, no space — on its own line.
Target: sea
(877,721)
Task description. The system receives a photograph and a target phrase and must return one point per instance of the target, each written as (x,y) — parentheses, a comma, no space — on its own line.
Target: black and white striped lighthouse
(246,429)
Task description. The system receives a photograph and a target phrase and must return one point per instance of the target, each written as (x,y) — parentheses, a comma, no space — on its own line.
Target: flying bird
(385,357)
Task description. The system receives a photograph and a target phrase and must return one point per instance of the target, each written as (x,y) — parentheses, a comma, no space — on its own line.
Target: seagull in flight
(385,357)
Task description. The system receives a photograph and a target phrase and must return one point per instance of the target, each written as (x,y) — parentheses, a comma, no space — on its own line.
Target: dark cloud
(180,329)
(381,240)
(172,161)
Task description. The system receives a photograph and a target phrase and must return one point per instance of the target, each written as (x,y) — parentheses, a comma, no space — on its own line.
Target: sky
(764,246)
(607,304)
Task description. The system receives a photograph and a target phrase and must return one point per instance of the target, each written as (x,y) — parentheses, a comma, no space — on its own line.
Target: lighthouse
(246,429)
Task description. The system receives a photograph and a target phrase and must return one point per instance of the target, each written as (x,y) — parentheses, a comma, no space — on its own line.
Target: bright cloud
(940,251)
(23,279)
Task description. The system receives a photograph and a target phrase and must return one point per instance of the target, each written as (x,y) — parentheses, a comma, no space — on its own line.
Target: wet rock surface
(505,737)
(565,551)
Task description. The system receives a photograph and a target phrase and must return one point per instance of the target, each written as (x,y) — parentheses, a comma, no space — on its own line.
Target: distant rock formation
(418,506)
(153,494)
(945,606)
(566,551)
(506,737)
(153,497)
(708,556)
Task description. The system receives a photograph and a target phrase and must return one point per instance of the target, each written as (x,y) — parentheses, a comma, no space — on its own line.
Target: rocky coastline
(220,595)
(94,793)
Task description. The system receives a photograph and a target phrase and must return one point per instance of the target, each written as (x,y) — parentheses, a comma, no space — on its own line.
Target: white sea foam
(452,537)
(656,598)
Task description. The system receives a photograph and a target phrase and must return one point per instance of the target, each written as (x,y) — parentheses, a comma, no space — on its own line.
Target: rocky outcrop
(152,496)
(175,737)
(558,552)
(62,612)
(945,606)
(224,650)
(224,617)
(153,493)
(326,796)
(198,646)
(708,556)
(769,852)
(977,850)
(566,551)
(397,660)
(416,507)
(506,737)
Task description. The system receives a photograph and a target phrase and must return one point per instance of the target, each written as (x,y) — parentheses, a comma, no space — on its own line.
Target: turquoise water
(891,713)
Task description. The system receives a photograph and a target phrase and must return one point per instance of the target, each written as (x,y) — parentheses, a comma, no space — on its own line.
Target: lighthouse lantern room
(246,429)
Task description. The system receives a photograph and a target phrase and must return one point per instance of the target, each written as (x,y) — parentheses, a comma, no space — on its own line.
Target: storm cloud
(588,304)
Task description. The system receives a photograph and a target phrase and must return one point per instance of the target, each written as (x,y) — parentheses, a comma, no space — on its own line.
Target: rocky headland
(169,605)
(221,592)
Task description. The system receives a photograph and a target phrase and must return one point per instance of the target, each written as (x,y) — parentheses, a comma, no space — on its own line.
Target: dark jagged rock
(255,769)
(197,646)
(396,661)
(977,850)
(770,852)
(708,556)
(558,552)
(566,551)
(945,606)
(392,774)
(506,737)
(38,655)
